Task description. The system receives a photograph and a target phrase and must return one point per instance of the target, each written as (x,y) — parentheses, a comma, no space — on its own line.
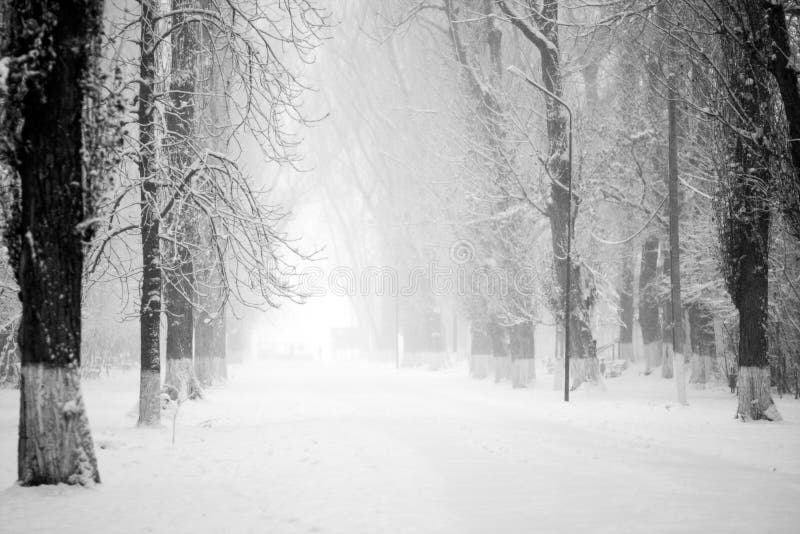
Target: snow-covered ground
(362,448)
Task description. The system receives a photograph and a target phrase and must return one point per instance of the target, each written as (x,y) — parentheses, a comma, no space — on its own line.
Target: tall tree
(181,148)
(538,23)
(648,304)
(184,185)
(210,325)
(150,222)
(50,48)
(746,209)
(626,305)
(507,231)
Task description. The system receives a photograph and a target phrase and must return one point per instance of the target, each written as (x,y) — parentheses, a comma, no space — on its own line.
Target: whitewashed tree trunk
(652,355)
(53,44)
(679,368)
(181,382)
(755,396)
(55,445)
(149,398)
(667,370)
(150,298)
(523,372)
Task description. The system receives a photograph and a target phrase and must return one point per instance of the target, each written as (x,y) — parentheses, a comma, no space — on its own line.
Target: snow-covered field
(362,448)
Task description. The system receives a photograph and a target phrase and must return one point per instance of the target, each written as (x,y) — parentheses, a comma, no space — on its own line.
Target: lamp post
(514,70)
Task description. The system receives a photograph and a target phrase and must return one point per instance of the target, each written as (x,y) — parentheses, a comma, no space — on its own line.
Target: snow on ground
(362,448)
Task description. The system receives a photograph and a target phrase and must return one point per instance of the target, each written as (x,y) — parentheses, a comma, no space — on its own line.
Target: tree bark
(44,112)
(480,353)
(785,72)
(210,347)
(648,304)
(522,351)
(702,334)
(500,341)
(179,275)
(210,365)
(746,223)
(667,348)
(150,307)
(626,310)
(181,380)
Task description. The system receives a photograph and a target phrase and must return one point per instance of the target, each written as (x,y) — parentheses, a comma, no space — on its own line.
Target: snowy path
(362,448)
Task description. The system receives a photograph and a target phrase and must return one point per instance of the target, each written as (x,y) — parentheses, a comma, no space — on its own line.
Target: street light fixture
(514,70)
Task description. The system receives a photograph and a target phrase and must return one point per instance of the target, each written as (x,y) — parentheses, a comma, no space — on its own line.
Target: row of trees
(121,141)
(120,165)
(685,187)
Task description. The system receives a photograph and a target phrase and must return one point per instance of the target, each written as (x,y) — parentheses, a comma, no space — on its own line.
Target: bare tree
(539,24)
(187,182)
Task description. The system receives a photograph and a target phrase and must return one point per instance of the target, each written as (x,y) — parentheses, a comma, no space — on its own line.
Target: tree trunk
(523,369)
(584,365)
(210,347)
(667,324)
(784,68)
(648,304)
(219,366)
(753,384)
(500,341)
(209,326)
(541,29)
(210,365)
(720,349)
(626,311)
(180,380)
(746,221)
(150,307)
(702,334)
(561,216)
(45,234)
(179,287)
(480,354)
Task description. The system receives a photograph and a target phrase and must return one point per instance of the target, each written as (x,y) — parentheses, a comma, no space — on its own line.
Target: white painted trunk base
(210,371)
(585,370)
(667,357)
(502,369)
(523,372)
(480,365)
(679,368)
(55,444)
(702,373)
(203,372)
(638,343)
(652,356)
(149,398)
(755,397)
(181,383)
